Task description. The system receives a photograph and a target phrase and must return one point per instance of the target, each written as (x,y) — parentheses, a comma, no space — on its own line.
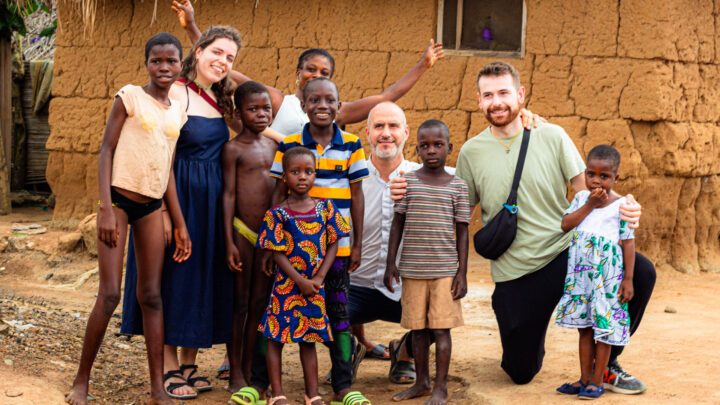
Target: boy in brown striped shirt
(432,220)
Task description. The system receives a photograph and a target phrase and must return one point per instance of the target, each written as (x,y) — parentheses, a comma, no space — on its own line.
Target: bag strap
(194,87)
(512,198)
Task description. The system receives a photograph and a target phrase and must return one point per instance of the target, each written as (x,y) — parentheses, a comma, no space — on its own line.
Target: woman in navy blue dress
(198,293)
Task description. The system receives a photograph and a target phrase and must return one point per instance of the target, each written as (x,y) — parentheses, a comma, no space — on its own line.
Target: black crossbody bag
(495,237)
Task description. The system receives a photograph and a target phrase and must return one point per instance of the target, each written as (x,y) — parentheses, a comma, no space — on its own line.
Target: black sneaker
(618,380)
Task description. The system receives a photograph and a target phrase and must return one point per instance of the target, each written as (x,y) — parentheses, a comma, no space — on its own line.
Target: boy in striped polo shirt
(341,167)
(434,216)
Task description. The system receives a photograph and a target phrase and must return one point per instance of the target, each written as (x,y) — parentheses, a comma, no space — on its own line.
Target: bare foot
(237,381)
(417,390)
(78,395)
(439,397)
(160,399)
(235,387)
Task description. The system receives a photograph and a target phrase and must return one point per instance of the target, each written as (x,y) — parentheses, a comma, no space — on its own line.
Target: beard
(501,122)
(385,153)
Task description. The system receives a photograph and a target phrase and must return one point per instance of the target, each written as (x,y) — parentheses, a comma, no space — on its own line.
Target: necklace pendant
(507,150)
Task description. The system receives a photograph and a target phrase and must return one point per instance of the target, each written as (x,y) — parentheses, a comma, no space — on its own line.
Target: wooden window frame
(476,52)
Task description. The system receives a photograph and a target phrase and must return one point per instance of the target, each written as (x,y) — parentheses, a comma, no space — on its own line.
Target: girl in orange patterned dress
(303,233)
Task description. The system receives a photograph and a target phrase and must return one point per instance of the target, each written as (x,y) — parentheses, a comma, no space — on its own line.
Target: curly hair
(224,88)
(606,153)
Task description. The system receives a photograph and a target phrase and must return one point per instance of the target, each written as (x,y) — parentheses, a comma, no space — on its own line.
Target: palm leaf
(86,8)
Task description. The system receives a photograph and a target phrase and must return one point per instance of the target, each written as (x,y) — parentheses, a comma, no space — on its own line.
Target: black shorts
(134,210)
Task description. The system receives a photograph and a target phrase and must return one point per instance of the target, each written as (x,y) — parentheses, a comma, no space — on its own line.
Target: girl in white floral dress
(601,260)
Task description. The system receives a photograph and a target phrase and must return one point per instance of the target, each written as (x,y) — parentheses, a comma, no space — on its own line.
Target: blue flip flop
(571,389)
(586,393)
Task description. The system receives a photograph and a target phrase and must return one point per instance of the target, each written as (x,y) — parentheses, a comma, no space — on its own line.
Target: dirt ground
(674,353)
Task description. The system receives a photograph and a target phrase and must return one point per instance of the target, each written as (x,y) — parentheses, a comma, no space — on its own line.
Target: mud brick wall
(641,75)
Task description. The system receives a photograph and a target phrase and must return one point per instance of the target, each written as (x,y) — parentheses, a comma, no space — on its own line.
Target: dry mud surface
(675,354)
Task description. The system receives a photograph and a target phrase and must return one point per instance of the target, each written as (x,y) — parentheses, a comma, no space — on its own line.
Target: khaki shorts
(428,303)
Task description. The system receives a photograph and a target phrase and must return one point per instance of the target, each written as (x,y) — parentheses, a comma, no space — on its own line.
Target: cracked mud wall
(641,75)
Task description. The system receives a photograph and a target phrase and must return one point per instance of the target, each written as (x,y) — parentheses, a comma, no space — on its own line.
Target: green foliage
(47,32)
(11,17)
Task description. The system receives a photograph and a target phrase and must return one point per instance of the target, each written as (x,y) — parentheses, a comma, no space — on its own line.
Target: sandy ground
(675,354)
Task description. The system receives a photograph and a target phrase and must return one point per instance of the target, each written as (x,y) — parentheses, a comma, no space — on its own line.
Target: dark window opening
(492,26)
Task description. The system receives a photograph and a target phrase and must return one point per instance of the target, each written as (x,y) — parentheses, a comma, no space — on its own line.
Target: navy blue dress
(197,294)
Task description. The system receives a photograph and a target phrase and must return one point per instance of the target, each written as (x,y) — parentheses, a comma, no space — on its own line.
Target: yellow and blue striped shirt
(341,163)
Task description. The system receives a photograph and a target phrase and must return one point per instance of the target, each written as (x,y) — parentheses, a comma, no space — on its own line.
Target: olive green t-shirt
(551,161)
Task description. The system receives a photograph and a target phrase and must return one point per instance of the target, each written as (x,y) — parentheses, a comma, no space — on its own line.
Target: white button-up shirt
(379,212)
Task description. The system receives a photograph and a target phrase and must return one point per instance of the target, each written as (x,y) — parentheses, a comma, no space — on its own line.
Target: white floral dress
(595,271)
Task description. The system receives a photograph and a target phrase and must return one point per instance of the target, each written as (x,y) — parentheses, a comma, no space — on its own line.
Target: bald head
(387,108)
(387,130)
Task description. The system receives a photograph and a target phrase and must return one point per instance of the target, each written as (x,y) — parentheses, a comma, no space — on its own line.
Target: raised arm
(186,15)
(356,111)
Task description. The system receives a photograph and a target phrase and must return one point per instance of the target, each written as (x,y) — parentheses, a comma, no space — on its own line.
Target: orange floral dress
(303,237)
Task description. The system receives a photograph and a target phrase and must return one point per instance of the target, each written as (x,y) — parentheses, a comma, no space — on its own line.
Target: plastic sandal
(378,352)
(571,389)
(192,380)
(247,396)
(309,401)
(353,398)
(400,368)
(275,399)
(357,359)
(225,368)
(173,386)
(586,393)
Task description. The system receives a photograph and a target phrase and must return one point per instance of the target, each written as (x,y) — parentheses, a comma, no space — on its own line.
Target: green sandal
(353,398)
(241,397)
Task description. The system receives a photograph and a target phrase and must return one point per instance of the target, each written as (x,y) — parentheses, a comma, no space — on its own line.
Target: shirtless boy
(247,193)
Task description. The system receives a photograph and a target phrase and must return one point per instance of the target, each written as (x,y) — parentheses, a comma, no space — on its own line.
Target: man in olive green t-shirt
(529,277)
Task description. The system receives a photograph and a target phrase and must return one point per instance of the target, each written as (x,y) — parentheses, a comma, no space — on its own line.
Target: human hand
(630,212)
(433,53)
(183,245)
(167,228)
(355,255)
(626,291)
(530,120)
(107,226)
(459,286)
(266,263)
(233,258)
(185,12)
(317,284)
(398,187)
(597,197)
(307,287)
(391,272)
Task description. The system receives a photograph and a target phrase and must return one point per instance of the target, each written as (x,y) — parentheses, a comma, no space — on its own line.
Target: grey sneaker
(618,380)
